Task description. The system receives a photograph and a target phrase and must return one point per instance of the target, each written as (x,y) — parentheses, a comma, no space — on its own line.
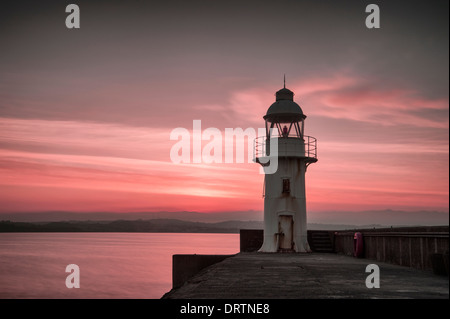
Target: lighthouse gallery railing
(260,147)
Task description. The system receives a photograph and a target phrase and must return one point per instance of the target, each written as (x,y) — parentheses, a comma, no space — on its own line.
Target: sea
(111,265)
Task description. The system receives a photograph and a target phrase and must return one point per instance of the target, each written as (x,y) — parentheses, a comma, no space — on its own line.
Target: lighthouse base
(274,244)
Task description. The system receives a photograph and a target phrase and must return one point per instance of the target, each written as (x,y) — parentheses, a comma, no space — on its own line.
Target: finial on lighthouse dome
(284,94)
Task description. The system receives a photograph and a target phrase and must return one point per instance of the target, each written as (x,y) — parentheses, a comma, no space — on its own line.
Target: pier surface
(307,276)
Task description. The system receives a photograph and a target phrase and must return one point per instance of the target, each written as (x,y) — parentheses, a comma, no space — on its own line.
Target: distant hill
(152,226)
(145,226)
(56,216)
(229,221)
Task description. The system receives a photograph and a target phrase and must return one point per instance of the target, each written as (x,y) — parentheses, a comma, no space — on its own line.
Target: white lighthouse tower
(284,190)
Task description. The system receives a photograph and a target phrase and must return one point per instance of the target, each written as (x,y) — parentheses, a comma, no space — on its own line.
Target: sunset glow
(97,166)
(88,128)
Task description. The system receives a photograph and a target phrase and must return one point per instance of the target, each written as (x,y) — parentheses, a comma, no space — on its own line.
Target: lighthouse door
(285,230)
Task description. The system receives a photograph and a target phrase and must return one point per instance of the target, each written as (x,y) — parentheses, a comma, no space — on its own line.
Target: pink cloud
(52,164)
(359,101)
(338,96)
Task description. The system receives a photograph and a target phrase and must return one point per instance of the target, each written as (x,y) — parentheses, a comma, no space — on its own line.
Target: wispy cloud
(375,165)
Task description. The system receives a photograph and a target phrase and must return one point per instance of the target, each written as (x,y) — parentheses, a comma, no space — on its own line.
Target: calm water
(112,265)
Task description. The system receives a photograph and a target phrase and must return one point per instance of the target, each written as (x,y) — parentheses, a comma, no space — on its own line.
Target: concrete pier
(186,266)
(307,276)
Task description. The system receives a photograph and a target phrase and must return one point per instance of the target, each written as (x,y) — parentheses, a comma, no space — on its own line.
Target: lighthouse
(284,188)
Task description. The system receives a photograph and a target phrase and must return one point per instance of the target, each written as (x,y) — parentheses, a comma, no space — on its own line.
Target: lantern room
(284,117)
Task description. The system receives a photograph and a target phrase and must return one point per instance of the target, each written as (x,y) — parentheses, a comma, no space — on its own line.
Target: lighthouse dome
(284,109)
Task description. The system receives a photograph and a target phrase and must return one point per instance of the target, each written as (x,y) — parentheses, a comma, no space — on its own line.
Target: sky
(86,114)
